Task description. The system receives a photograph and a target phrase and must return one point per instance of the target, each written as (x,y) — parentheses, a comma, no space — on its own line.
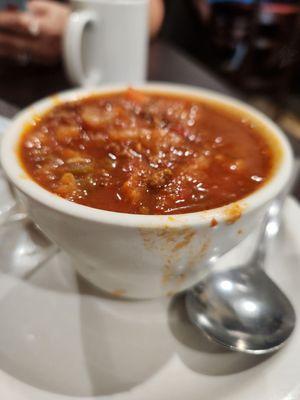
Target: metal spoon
(242,308)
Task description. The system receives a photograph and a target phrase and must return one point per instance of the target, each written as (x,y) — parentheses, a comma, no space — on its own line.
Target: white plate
(61,339)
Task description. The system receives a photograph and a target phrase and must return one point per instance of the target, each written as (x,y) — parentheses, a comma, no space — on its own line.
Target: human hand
(34,35)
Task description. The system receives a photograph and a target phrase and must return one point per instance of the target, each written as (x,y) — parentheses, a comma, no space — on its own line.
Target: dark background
(184,28)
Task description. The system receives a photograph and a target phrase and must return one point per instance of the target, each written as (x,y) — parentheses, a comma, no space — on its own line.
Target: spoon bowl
(242,309)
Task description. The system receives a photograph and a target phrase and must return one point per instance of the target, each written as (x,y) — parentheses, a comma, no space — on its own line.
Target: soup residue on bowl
(146,153)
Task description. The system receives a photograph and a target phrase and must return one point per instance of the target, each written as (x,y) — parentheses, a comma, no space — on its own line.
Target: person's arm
(156,16)
(36,34)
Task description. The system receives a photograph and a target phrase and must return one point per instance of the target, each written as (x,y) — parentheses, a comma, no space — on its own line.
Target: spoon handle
(272,221)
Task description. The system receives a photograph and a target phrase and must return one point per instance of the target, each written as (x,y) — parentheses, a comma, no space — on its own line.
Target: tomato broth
(146,153)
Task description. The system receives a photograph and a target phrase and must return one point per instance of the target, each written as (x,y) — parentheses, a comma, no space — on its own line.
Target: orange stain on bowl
(171,275)
(167,240)
(185,241)
(213,223)
(118,293)
(232,213)
(178,250)
(167,273)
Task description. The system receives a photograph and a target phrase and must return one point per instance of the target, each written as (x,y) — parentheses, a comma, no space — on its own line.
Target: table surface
(21,86)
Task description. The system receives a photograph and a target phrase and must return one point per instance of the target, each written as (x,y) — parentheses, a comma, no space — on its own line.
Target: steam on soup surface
(146,153)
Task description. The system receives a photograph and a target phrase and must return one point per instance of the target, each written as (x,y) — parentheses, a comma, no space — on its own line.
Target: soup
(146,153)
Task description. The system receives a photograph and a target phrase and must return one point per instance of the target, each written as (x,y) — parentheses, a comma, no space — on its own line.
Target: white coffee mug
(106,41)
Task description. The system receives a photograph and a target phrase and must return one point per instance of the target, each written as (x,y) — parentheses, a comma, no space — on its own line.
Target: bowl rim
(18,176)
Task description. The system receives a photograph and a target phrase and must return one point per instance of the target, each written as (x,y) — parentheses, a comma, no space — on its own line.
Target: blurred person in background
(35,35)
(253,43)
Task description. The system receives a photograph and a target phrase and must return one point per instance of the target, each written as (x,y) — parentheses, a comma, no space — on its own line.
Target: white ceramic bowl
(143,256)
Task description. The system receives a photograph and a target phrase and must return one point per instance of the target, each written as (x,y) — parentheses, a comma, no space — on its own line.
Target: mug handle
(33,249)
(72,48)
